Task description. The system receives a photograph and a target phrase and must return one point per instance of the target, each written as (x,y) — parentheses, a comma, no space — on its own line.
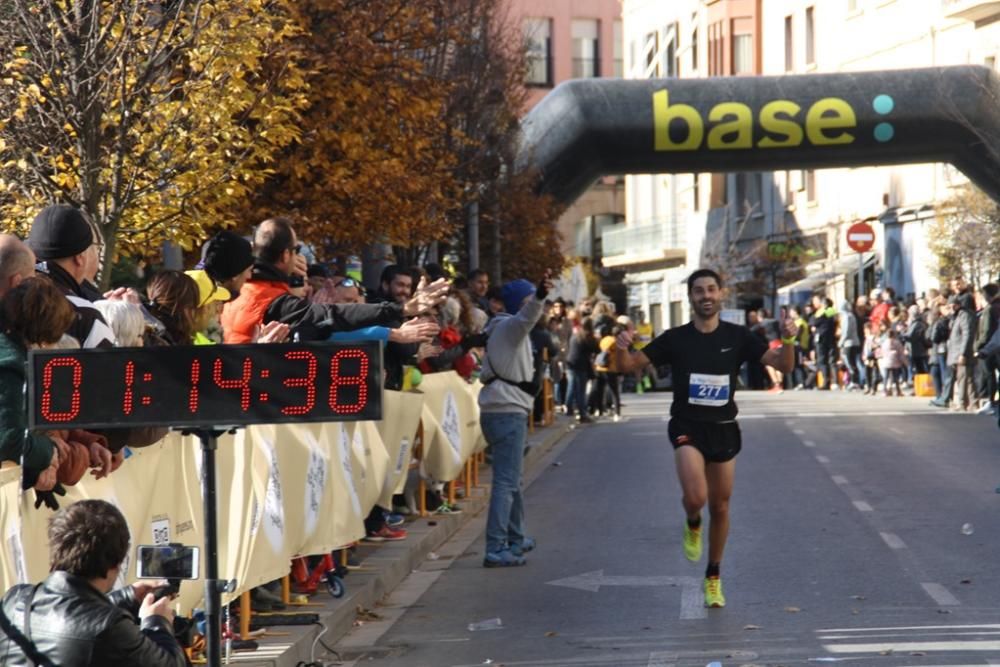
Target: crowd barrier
(283,490)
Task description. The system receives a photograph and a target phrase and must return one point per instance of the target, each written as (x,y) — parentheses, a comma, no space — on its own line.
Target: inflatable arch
(588,128)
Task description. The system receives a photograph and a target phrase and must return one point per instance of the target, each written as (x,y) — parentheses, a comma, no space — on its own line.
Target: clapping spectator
(35,314)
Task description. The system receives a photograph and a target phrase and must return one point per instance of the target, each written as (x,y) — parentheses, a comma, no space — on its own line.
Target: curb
(383,567)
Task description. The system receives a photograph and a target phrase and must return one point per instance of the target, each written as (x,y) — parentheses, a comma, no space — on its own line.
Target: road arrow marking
(692,602)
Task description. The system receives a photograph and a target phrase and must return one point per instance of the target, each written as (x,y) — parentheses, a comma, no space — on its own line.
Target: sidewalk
(383,567)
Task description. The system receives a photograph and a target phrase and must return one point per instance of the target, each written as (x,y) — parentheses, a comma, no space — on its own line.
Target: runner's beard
(708,307)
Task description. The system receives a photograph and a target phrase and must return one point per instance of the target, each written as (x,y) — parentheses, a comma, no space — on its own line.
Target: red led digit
(129,381)
(360,381)
(193,392)
(309,382)
(74,402)
(243,383)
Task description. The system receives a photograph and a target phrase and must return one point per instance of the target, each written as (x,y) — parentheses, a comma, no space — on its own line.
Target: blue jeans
(507,433)
(576,393)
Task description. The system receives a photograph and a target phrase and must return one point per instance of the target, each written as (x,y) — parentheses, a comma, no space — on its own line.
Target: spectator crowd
(942,344)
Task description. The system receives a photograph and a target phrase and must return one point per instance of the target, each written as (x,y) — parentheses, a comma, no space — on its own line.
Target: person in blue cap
(505,403)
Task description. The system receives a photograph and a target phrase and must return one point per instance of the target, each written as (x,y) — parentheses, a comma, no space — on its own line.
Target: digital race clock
(205,385)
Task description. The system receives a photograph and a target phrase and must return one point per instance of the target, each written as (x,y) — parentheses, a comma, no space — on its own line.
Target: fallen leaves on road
(792,610)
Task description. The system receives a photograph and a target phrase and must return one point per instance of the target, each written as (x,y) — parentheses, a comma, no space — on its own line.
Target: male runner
(705,356)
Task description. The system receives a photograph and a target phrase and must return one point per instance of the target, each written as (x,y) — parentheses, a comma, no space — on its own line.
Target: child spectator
(892,361)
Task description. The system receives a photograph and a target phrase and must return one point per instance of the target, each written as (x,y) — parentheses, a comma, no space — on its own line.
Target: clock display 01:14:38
(193,385)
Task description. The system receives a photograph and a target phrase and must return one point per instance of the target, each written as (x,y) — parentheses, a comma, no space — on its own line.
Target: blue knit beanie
(514,292)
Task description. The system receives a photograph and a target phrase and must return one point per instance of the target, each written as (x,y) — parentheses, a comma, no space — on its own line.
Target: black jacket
(89,326)
(313,321)
(74,625)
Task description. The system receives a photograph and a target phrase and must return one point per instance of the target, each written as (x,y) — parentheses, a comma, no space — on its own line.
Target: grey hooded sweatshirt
(509,352)
(848,327)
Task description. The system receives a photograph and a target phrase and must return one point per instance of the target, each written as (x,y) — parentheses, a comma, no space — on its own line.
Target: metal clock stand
(214,588)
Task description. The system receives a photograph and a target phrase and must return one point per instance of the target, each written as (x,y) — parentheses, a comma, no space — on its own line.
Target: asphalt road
(848,545)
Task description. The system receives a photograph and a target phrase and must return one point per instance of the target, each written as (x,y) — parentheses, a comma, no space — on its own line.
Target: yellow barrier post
(451,492)
(286,590)
(468,477)
(245,615)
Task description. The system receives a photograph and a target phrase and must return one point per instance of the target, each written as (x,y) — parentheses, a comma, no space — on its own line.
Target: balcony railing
(651,237)
(970,10)
(585,68)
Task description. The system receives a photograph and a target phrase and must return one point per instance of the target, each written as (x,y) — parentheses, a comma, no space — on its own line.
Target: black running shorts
(717,442)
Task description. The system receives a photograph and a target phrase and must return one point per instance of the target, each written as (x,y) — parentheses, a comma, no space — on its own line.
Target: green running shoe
(713,593)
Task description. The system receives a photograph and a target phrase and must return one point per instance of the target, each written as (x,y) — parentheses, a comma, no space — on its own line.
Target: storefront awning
(842,266)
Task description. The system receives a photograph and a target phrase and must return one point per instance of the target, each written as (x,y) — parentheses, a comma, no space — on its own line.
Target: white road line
(808,443)
(990,626)
(798,431)
(909,647)
(893,413)
(897,431)
(840,480)
(662,659)
(818,414)
(941,595)
(863,506)
(822,459)
(893,540)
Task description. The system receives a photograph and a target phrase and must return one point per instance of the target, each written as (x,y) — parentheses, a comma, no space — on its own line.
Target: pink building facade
(569,39)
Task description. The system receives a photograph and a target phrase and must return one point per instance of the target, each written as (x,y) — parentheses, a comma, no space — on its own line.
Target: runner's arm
(783,358)
(628,362)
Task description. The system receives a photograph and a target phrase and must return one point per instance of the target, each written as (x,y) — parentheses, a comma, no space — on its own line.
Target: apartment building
(780,235)
(573,39)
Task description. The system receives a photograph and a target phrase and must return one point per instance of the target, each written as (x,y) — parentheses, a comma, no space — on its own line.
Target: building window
(538,45)
(619,49)
(694,50)
(810,36)
(743,54)
(810,179)
(789,54)
(669,55)
(650,49)
(586,51)
(715,62)
(696,194)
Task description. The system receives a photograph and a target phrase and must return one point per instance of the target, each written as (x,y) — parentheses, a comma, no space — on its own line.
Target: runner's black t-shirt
(704,367)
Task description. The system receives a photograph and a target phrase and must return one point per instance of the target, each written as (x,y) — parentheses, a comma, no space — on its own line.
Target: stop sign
(860,237)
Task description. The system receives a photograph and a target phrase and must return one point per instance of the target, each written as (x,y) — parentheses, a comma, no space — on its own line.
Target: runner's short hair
(703,273)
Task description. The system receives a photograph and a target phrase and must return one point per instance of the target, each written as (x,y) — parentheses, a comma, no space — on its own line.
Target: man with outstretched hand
(505,402)
(705,356)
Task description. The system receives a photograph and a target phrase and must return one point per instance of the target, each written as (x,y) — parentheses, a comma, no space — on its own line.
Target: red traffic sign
(860,237)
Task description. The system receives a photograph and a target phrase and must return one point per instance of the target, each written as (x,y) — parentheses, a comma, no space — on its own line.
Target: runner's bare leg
(694,483)
(720,478)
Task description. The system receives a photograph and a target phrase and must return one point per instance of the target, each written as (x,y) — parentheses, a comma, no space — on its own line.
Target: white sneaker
(987,409)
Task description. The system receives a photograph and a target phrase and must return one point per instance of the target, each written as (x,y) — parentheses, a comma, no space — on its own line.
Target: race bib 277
(710,390)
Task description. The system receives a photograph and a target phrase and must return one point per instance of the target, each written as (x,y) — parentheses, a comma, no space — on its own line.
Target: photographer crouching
(72,619)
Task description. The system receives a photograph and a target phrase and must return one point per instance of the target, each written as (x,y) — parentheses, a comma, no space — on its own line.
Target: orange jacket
(242,315)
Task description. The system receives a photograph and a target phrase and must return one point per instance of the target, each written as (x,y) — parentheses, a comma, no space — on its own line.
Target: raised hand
(415,331)
(426,296)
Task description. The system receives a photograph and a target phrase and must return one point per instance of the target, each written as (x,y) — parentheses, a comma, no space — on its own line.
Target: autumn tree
(371,164)
(155,118)
(965,236)
(518,227)
(414,113)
